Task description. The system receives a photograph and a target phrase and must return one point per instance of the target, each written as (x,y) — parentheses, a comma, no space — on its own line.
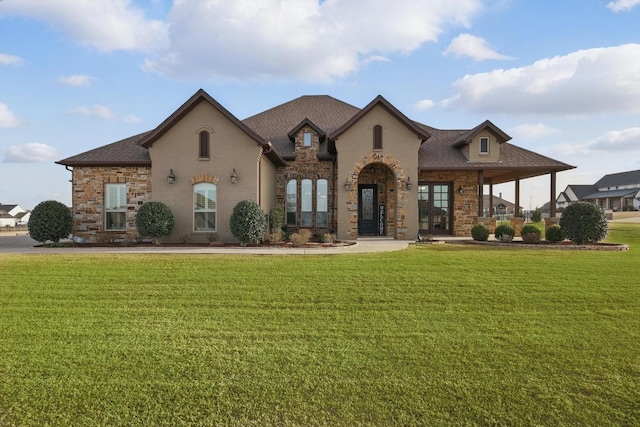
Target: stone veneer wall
(88,199)
(465,205)
(308,166)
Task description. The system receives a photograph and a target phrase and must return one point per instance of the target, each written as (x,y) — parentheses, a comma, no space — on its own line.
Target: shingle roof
(324,111)
(618,179)
(123,152)
(611,193)
(582,190)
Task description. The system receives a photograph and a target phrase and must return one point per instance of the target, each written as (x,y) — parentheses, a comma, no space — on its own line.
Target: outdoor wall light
(234,176)
(460,189)
(347,185)
(171,178)
(408,184)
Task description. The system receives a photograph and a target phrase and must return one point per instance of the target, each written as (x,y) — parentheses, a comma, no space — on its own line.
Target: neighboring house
(617,192)
(331,166)
(13,216)
(501,208)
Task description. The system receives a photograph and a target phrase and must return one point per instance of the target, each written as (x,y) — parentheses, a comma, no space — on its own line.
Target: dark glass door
(368,210)
(434,212)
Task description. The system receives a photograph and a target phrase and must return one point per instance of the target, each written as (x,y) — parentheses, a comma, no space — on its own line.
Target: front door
(368,210)
(434,212)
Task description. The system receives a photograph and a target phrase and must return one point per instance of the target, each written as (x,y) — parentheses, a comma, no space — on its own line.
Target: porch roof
(627,192)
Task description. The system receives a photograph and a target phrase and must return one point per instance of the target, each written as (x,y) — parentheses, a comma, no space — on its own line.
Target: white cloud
(303,39)
(424,104)
(623,5)
(473,47)
(104,112)
(32,152)
(530,131)
(8,119)
(105,25)
(6,59)
(76,80)
(619,140)
(583,82)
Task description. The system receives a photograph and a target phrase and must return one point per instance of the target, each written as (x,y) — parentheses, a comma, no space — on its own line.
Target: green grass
(433,335)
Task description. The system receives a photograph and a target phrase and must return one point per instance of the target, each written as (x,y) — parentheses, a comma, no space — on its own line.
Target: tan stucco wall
(178,149)
(399,154)
(472,151)
(267,187)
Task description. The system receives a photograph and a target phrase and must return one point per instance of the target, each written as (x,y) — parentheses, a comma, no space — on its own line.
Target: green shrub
(50,220)
(480,232)
(583,222)
(155,220)
(536,216)
(248,222)
(504,232)
(530,234)
(554,234)
(276,218)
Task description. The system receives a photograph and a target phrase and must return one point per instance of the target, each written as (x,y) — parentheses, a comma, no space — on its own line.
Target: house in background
(616,192)
(13,216)
(330,166)
(502,209)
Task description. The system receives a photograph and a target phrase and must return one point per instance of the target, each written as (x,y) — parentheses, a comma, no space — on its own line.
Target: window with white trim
(204,207)
(292,203)
(322,206)
(115,206)
(306,203)
(484,145)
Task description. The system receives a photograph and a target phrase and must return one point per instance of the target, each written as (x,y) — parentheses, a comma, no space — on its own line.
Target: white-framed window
(484,145)
(204,207)
(115,206)
(306,203)
(306,141)
(292,203)
(322,206)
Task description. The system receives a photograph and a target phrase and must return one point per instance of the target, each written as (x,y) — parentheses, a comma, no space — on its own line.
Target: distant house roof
(618,179)
(611,193)
(582,190)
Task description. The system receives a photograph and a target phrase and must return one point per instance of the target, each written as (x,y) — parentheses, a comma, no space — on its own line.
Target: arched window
(321,203)
(292,203)
(306,203)
(204,207)
(204,144)
(377,137)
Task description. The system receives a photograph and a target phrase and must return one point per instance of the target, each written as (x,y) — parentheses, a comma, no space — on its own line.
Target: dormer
(308,138)
(482,143)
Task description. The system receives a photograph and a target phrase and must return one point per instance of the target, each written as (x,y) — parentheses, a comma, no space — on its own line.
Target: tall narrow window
(377,137)
(115,206)
(292,203)
(307,139)
(204,207)
(306,203)
(204,144)
(484,145)
(321,203)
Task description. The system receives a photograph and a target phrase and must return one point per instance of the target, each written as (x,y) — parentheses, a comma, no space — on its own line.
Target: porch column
(480,193)
(552,202)
(490,200)
(517,207)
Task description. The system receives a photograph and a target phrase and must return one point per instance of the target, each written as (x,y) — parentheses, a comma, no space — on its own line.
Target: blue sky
(562,77)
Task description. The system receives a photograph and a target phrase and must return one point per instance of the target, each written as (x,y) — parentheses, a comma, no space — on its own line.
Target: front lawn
(432,335)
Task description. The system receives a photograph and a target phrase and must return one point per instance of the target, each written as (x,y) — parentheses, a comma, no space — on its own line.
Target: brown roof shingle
(125,152)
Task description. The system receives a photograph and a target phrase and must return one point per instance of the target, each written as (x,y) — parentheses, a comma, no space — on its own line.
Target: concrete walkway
(23,244)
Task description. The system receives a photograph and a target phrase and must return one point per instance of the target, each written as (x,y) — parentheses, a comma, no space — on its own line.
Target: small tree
(276,219)
(536,216)
(155,220)
(248,222)
(50,220)
(583,222)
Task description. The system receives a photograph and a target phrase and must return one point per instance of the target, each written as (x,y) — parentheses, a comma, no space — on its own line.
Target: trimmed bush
(536,216)
(248,222)
(50,220)
(583,222)
(504,233)
(554,234)
(530,234)
(276,218)
(480,232)
(155,220)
